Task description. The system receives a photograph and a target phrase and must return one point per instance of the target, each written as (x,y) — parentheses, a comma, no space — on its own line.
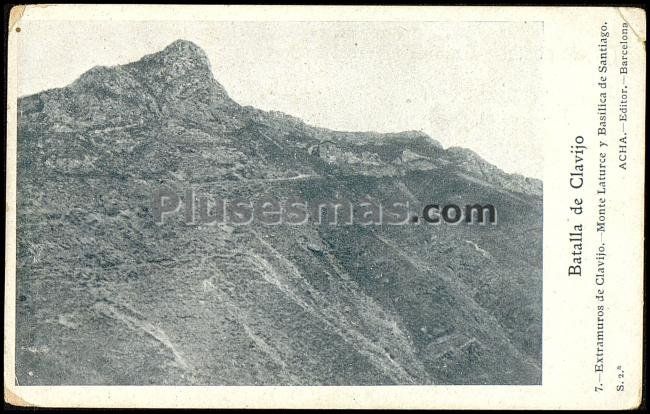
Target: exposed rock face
(105,296)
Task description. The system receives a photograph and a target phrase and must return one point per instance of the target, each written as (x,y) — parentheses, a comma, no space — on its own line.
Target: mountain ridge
(313,304)
(184,59)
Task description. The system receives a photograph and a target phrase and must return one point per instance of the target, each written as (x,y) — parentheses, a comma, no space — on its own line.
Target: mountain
(105,295)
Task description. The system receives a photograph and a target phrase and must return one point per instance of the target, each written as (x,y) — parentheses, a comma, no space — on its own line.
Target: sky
(470,84)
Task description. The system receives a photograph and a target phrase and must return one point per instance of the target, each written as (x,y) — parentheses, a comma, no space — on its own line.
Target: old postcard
(325,207)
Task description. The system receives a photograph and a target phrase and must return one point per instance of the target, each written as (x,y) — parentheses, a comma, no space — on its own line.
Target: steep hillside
(107,296)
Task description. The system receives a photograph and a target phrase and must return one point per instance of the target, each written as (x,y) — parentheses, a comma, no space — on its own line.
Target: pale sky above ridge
(470,84)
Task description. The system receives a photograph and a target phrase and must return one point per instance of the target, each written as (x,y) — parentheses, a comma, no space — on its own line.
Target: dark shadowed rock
(109,297)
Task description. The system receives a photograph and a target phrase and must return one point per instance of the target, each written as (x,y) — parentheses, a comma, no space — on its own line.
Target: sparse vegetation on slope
(105,296)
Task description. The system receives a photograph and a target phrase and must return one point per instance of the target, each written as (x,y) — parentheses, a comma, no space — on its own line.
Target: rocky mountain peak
(182,71)
(416,303)
(174,82)
(182,47)
(181,57)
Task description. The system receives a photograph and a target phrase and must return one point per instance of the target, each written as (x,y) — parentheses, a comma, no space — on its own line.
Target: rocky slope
(106,296)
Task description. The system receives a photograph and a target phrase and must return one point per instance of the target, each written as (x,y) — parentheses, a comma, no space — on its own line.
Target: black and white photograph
(292,202)
(231,287)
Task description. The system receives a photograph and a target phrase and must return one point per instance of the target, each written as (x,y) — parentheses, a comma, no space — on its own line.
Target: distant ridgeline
(316,304)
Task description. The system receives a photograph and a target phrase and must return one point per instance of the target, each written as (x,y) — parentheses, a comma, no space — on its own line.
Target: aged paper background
(570,90)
